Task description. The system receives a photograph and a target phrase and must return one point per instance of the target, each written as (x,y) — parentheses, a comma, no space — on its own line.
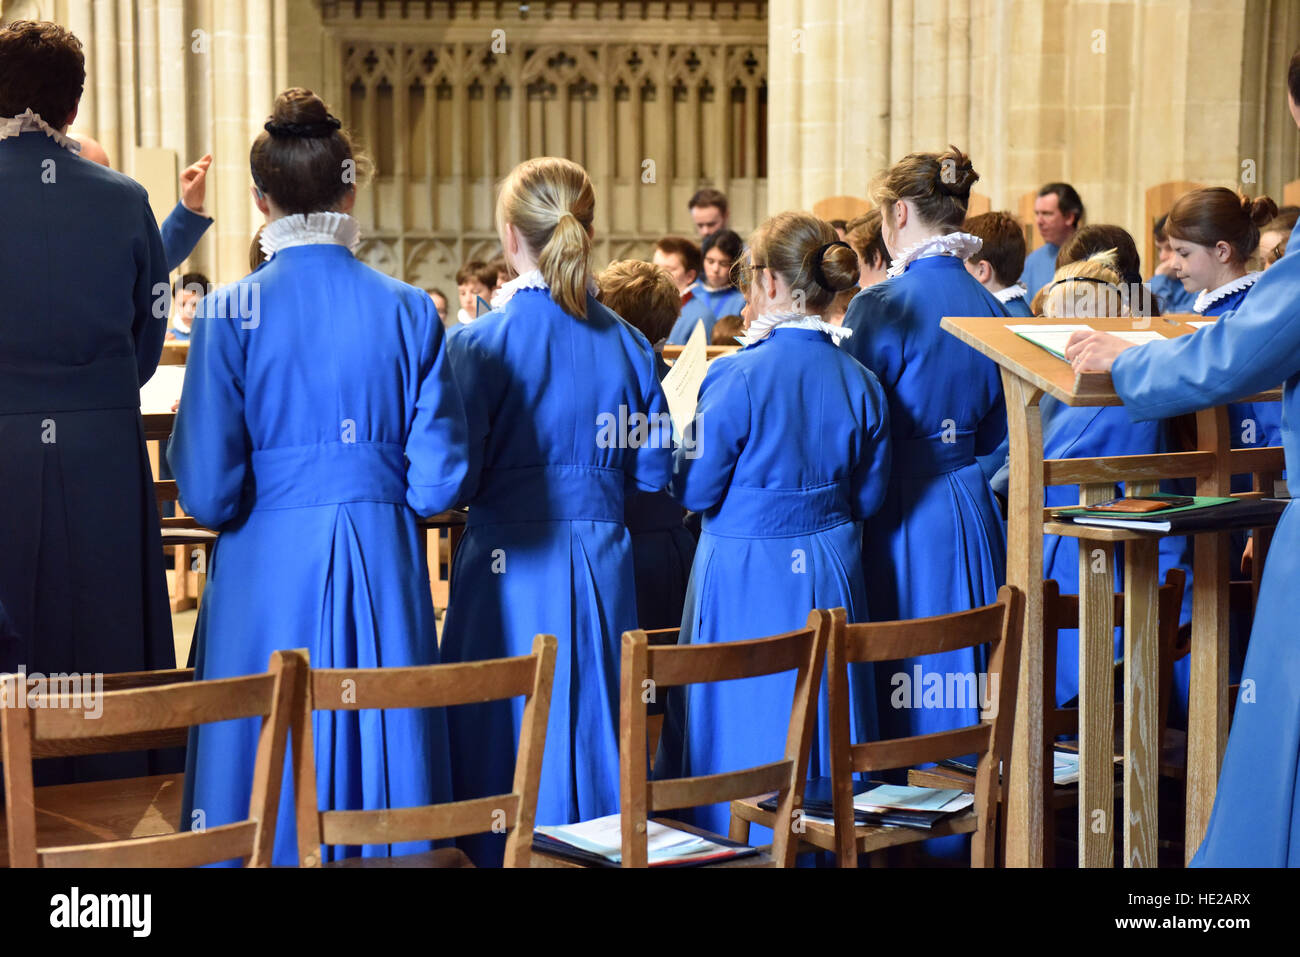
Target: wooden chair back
(1159,199)
(137,713)
(999,626)
(846,208)
(428,686)
(978,205)
(670,666)
(1028,222)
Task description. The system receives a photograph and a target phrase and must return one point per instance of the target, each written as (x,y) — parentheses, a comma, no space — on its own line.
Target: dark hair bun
(1261,210)
(956,174)
(840,267)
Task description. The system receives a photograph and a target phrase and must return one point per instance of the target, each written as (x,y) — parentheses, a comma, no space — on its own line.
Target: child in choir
(319,415)
(1082,290)
(787,454)
(863,234)
(1000,258)
(725,331)
(186,293)
(1137,298)
(439,302)
(474,281)
(1276,253)
(1173,298)
(681,259)
(1256,817)
(1275,232)
(552,380)
(937,544)
(662,549)
(720,251)
(499,269)
(709,211)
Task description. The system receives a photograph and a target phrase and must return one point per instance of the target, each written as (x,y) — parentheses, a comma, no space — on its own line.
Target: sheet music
(162,391)
(682,383)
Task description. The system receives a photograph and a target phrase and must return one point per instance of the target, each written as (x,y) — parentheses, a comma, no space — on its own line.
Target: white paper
(682,383)
(1202,323)
(906,798)
(1050,337)
(1140,337)
(162,391)
(603,836)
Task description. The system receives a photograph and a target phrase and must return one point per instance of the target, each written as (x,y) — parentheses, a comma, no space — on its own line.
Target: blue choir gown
(1256,817)
(81,573)
(313,432)
(727,301)
(694,311)
(1040,267)
(557,409)
(938,544)
(788,452)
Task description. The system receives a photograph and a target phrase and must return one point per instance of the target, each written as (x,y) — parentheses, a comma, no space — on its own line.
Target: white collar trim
(961,245)
(1208,297)
(533,279)
(1018,291)
(29,122)
(763,326)
(311,229)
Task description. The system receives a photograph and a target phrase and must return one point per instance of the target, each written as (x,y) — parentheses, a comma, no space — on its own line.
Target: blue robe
(694,310)
(727,301)
(938,544)
(81,329)
(312,433)
(181,232)
(1040,267)
(1256,817)
(662,552)
(1173,298)
(546,549)
(790,452)
(1018,307)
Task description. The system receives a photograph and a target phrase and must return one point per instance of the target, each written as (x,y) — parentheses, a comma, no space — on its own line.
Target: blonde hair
(643,294)
(807,253)
(1085,289)
(551,203)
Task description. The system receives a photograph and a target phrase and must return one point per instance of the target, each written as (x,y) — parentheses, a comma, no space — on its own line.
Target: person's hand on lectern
(1094,351)
(194,185)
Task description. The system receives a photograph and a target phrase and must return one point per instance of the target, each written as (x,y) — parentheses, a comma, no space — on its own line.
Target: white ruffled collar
(1018,291)
(961,245)
(29,122)
(1208,297)
(763,326)
(310,229)
(533,279)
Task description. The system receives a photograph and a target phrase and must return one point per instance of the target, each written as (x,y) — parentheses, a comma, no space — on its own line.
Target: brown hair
(805,252)
(709,197)
(1217,214)
(1283,221)
(725,331)
(863,234)
(938,184)
(1004,244)
(303,158)
(255,255)
(685,250)
(550,201)
(1103,237)
(643,294)
(1086,288)
(42,69)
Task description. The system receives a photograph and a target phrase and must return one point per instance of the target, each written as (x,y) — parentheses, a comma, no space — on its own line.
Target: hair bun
(836,266)
(956,174)
(300,112)
(1261,210)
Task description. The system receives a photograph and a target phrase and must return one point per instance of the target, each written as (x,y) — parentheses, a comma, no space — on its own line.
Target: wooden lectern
(1028,373)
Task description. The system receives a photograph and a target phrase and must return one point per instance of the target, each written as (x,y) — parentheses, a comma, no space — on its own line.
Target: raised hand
(194,185)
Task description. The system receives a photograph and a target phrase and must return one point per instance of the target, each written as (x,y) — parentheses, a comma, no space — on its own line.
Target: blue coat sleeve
(704,462)
(476,375)
(181,232)
(871,475)
(876,341)
(651,465)
(437,449)
(210,449)
(150,296)
(1254,348)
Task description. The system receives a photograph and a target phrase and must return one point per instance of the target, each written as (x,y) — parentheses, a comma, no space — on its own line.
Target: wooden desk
(1029,373)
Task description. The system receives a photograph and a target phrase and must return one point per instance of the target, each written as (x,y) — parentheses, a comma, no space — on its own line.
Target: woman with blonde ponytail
(565,413)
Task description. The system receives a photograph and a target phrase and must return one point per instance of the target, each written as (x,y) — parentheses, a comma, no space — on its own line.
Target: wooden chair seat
(71,814)
(443,857)
(820,835)
(763,858)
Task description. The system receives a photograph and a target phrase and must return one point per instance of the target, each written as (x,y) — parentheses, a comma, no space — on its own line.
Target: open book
(1053,338)
(599,841)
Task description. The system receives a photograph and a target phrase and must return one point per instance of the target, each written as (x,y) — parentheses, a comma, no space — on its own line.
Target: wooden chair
(1159,199)
(145,717)
(998,625)
(656,710)
(673,666)
(841,207)
(428,686)
(978,205)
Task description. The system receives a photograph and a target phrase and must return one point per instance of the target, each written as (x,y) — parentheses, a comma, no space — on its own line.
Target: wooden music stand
(1028,373)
